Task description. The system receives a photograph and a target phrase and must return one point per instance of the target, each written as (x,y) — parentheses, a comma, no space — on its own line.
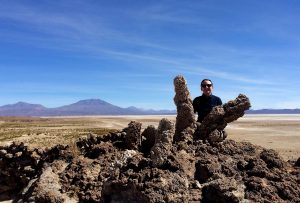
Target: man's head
(206,87)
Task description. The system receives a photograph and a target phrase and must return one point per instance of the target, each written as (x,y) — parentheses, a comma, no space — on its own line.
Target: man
(204,103)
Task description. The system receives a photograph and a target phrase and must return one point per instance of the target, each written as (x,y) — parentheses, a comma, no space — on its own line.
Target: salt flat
(279,132)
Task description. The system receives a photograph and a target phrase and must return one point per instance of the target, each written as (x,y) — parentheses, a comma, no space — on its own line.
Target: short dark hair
(206,80)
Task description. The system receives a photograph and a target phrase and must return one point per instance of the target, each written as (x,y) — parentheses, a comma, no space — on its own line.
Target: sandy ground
(279,132)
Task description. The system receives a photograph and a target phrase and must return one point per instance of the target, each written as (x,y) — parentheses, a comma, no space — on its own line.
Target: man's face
(206,87)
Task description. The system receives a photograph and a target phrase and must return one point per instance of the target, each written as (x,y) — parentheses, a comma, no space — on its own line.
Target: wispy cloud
(225,75)
(76,31)
(153,41)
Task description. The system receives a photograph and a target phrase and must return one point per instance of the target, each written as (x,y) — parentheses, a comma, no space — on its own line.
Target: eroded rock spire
(185,120)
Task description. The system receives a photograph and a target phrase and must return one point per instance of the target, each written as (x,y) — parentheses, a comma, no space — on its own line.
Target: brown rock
(148,139)
(212,126)
(185,112)
(48,188)
(163,142)
(223,189)
(271,158)
(133,138)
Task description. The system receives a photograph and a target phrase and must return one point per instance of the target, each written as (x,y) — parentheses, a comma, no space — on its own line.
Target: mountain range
(80,108)
(100,107)
(274,111)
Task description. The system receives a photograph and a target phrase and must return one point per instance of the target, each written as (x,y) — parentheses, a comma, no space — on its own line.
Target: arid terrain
(279,132)
(147,161)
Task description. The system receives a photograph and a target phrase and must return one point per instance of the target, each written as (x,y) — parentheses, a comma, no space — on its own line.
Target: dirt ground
(279,132)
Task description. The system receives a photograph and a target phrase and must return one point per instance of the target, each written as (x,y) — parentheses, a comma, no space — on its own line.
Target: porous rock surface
(163,143)
(152,167)
(185,119)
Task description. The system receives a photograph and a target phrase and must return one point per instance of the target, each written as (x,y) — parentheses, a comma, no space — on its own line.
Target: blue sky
(128,52)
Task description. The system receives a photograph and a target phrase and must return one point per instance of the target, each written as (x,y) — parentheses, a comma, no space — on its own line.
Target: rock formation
(133,137)
(212,126)
(134,166)
(223,172)
(163,143)
(185,120)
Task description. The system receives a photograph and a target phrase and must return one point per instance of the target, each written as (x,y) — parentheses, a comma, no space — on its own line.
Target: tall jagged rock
(185,119)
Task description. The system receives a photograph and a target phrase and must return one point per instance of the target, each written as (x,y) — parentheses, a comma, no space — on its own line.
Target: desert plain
(272,131)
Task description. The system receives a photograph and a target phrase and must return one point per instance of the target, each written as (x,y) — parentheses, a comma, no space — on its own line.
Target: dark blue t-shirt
(204,104)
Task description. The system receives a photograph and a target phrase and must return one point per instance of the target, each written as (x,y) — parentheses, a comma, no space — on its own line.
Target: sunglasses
(206,85)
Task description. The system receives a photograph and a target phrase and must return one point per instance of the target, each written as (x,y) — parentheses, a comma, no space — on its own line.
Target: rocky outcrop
(20,164)
(149,166)
(224,172)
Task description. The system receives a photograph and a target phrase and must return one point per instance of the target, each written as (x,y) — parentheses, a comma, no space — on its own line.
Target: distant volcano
(80,108)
